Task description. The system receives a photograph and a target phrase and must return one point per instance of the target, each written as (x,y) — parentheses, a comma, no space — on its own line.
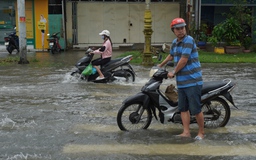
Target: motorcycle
(12,42)
(117,69)
(137,111)
(54,43)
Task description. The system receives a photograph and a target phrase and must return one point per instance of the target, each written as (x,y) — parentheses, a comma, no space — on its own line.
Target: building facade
(80,21)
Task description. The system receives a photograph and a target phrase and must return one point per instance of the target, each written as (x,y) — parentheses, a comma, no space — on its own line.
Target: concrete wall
(123,20)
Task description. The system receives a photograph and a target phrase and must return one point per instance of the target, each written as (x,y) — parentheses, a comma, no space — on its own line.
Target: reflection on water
(48,114)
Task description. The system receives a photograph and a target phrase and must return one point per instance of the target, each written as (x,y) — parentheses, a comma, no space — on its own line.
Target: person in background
(105,51)
(188,77)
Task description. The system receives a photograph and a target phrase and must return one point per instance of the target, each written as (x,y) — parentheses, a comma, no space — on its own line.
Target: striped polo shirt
(191,73)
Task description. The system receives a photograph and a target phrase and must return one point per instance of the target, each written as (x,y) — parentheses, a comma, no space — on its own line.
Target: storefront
(80,21)
(36,21)
(7,18)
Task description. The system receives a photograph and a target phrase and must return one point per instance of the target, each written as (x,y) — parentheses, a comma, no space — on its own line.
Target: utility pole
(22,32)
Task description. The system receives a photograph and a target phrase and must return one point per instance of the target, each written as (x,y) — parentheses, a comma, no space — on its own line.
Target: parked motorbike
(11,42)
(54,43)
(117,69)
(137,111)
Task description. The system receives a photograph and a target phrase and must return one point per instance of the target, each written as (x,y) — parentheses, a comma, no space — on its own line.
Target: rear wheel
(126,76)
(129,76)
(53,49)
(133,117)
(10,48)
(216,113)
(58,50)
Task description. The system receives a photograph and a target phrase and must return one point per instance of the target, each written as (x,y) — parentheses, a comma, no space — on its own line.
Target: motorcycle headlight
(153,70)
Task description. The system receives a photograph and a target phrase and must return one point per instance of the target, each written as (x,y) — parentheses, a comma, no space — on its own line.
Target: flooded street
(45,114)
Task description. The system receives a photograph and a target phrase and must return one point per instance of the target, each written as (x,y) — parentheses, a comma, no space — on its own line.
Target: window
(124,0)
(55,7)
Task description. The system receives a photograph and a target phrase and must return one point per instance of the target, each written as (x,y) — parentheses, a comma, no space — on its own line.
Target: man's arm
(182,62)
(168,58)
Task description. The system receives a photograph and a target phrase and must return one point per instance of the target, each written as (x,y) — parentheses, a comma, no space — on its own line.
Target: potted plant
(202,37)
(202,40)
(233,30)
(247,42)
(216,38)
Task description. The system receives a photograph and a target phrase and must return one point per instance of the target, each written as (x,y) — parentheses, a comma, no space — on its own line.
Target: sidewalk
(2,48)
(29,48)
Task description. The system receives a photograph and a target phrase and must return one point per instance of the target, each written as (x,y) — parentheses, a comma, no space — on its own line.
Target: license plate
(6,43)
(51,44)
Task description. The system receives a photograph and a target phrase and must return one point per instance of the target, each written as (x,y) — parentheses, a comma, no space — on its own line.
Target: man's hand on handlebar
(170,75)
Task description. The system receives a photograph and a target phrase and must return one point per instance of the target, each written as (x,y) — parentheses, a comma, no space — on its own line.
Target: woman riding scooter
(105,51)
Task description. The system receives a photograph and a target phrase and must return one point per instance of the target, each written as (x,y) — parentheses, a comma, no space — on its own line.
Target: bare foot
(187,135)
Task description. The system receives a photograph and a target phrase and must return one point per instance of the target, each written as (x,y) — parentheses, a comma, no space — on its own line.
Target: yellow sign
(41,25)
(1,22)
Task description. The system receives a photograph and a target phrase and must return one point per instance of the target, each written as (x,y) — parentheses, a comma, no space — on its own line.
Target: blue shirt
(191,74)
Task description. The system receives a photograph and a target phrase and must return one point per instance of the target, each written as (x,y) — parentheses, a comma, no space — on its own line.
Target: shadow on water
(47,114)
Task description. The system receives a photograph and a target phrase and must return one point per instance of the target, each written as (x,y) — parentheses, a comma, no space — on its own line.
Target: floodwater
(47,114)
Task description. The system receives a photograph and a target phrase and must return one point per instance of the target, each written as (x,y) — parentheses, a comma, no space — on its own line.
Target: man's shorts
(190,99)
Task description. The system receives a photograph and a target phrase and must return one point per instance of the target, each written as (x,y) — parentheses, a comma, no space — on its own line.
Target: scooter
(137,111)
(12,42)
(117,69)
(54,43)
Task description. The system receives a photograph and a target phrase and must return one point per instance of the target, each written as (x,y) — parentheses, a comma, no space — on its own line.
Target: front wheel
(133,117)
(216,113)
(76,74)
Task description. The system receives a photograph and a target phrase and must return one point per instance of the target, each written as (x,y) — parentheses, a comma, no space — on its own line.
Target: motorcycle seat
(212,85)
(111,62)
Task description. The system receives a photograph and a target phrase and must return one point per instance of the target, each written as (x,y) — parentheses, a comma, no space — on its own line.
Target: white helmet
(104,32)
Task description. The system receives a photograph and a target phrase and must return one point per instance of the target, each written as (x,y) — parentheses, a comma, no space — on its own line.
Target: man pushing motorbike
(105,51)
(188,77)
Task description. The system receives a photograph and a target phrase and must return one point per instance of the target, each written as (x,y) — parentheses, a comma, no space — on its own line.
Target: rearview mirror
(165,48)
(160,57)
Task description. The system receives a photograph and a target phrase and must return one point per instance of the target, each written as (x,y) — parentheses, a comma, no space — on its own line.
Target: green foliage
(217,35)
(247,42)
(241,12)
(204,57)
(203,37)
(138,57)
(33,60)
(211,57)
(199,34)
(232,30)
(243,15)
(229,30)
(14,59)
(8,60)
